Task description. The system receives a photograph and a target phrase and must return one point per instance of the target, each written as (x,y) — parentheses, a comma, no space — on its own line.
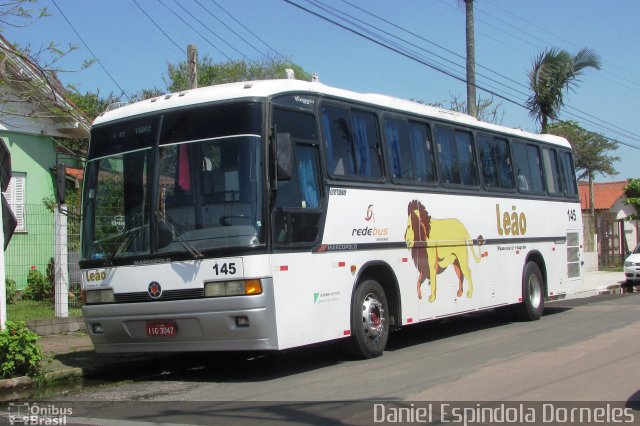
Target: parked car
(632,266)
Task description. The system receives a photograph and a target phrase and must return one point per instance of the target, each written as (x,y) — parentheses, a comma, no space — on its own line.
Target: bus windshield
(197,188)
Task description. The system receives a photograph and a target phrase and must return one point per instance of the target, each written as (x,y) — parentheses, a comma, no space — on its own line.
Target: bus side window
(552,173)
(568,174)
(496,162)
(486,147)
(422,152)
(526,160)
(503,160)
(457,161)
(409,149)
(367,144)
(336,130)
(352,142)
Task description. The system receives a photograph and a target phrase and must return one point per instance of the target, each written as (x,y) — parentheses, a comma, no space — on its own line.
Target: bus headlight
(97,296)
(232,288)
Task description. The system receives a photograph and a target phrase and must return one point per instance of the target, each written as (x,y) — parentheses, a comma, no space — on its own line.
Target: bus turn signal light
(252,287)
(232,288)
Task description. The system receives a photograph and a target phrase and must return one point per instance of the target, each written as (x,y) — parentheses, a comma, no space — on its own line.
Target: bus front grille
(143,296)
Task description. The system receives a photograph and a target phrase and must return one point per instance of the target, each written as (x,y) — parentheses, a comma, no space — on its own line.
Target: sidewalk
(71,355)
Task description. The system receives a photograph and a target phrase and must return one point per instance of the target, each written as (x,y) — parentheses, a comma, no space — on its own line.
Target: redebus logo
(370,231)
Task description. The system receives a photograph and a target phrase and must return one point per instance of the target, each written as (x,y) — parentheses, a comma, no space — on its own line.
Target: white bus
(273,214)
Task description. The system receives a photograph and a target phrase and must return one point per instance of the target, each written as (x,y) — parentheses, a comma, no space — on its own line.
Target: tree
(553,72)
(590,152)
(633,197)
(210,73)
(29,75)
(486,110)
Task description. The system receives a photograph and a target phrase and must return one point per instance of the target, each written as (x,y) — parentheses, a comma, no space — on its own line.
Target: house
(34,116)
(613,235)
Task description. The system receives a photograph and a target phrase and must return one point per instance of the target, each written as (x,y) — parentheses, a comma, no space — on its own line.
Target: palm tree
(555,71)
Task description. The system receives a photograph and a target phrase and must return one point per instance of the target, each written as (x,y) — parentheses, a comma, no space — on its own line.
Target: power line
(230,29)
(157,26)
(248,29)
(555,36)
(208,29)
(393,46)
(620,131)
(403,53)
(90,51)
(440,47)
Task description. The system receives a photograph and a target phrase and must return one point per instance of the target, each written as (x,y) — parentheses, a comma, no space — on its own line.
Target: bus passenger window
(568,174)
(552,173)
(496,162)
(422,152)
(409,148)
(351,142)
(457,162)
(526,161)
(503,161)
(338,141)
(367,145)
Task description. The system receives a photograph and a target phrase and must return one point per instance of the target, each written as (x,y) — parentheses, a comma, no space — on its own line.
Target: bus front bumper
(235,323)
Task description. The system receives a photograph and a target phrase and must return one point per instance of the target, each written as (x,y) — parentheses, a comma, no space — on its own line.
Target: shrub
(51,272)
(10,285)
(20,353)
(38,287)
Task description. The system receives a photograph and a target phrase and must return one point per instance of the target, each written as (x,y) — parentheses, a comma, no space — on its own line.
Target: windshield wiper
(125,239)
(166,221)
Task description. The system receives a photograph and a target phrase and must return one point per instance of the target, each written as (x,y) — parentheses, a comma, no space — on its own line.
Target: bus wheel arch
(534,288)
(374,307)
(382,272)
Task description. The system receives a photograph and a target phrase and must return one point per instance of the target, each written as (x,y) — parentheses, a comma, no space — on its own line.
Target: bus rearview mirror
(61,182)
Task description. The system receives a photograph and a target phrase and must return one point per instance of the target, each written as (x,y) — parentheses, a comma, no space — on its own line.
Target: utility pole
(472,108)
(192,65)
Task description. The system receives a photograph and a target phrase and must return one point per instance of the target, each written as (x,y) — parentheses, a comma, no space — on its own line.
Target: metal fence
(32,275)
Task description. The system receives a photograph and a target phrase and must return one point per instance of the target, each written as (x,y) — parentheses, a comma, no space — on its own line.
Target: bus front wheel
(369,320)
(532,305)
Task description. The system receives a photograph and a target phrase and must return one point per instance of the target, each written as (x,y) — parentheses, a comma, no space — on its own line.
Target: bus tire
(532,305)
(369,320)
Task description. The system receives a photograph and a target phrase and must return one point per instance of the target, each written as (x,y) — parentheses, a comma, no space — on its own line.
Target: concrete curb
(10,388)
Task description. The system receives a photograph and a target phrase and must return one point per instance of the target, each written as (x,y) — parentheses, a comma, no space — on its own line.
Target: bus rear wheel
(369,320)
(532,305)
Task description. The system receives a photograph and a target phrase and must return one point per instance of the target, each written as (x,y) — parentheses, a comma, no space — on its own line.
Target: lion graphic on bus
(450,245)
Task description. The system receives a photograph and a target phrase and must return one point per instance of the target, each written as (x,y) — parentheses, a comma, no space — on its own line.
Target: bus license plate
(166,328)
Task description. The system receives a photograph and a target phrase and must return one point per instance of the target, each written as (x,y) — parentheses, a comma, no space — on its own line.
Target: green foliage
(11,290)
(633,193)
(554,72)
(92,104)
(591,150)
(38,286)
(27,310)
(20,353)
(210,73)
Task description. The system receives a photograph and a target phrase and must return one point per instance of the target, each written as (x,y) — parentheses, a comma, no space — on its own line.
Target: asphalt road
(581,350)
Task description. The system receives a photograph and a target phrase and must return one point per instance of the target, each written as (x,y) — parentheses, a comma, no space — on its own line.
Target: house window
(16,198)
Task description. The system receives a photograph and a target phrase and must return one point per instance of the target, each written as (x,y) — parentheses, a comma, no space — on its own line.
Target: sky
(134,40)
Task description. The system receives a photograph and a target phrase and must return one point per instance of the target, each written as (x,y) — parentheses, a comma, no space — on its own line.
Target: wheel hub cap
(373,316)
